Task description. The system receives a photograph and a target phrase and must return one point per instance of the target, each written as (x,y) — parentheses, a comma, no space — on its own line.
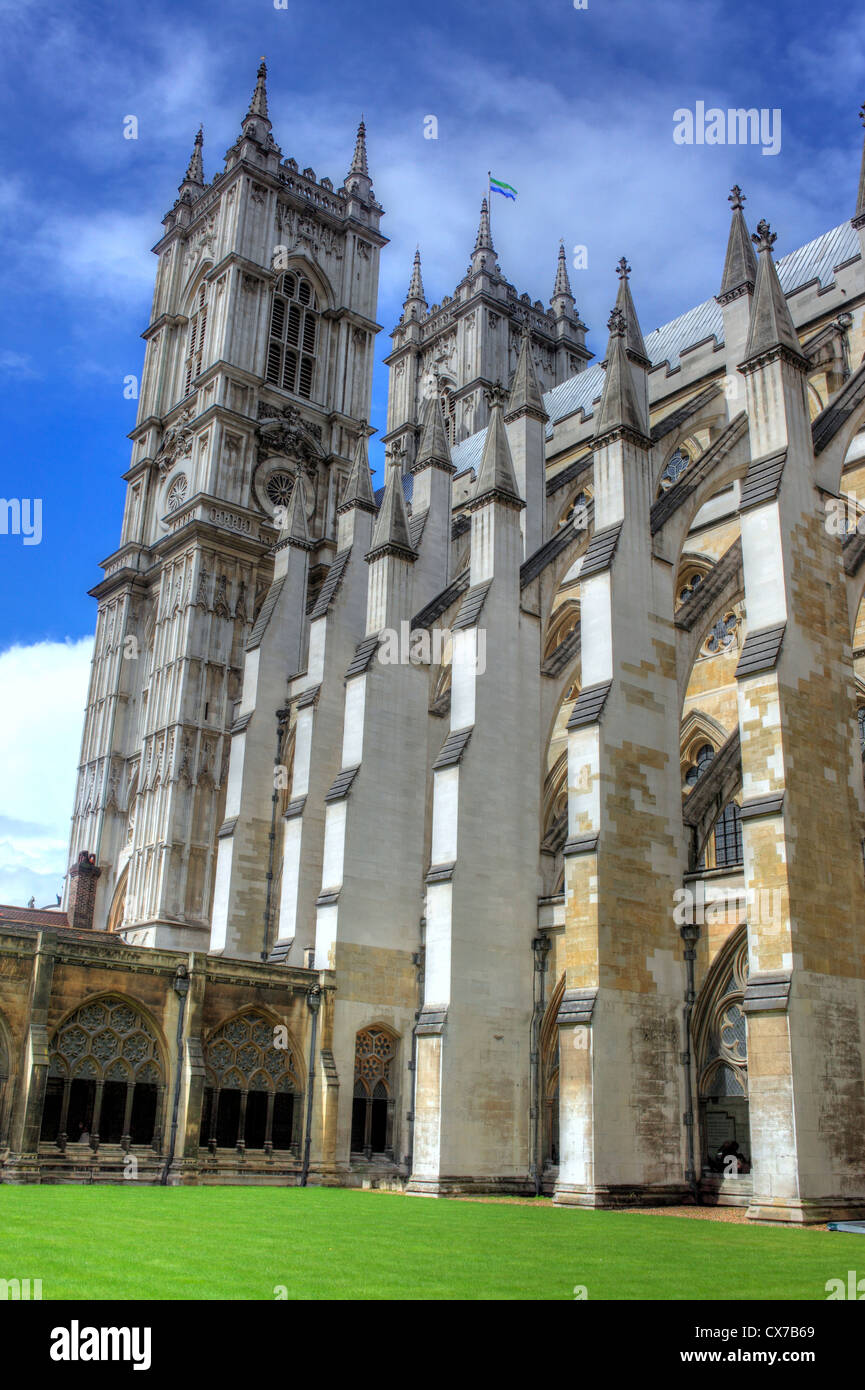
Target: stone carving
(176,442)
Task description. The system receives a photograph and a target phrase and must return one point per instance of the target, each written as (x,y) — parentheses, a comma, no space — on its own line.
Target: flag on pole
(507,190)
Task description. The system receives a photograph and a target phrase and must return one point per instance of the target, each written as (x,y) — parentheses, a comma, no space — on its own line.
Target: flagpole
(490,200)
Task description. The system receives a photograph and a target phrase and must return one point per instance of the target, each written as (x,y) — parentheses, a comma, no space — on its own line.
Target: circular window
(278,488)
(177,493)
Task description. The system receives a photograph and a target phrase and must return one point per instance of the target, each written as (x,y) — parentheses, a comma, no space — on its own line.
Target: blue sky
(572,107)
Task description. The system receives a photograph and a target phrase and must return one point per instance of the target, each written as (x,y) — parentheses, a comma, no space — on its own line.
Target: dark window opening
(255,1130)
(142,1124)
(82,1099)
(228,1119)
(52,1109)
(113,1112)
(283,1121)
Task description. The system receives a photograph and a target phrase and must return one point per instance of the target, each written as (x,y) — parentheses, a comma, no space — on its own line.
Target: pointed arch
(720,1038)
(107,1074)
(253,1087)
(373,1113)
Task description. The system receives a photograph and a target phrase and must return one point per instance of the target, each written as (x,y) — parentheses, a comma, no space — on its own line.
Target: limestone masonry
(500,831)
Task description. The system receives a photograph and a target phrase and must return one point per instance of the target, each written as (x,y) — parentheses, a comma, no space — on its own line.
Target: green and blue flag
(507,190)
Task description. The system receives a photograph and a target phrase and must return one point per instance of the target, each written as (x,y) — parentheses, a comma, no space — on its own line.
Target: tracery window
(689,587)
(372,1111)
(722,635)
(106,1078)
(704,756)
(195,343)
(294,335)
(721,1046)
(252,1097)
(677,465)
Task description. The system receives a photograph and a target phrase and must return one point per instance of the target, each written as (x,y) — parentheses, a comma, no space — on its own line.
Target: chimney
(82,892)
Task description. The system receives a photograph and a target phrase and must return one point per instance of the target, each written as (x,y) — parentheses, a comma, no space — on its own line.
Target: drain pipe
(541,949)
(313,1000)
(417,961)
(180,985)
(281,721)
(690,934)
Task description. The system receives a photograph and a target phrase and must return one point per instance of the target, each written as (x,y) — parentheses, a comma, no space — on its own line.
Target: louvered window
(292,350)
(197,338)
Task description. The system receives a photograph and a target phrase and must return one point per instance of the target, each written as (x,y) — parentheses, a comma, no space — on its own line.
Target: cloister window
(195,343)
(728,837)
(253,1092)
(106,1079)
(294,336)
(372,1111)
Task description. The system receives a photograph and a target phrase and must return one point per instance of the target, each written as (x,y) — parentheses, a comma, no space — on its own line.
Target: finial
(623,270)
(616,324)
(736,198)
(763,238)
(495,395)
(258,104)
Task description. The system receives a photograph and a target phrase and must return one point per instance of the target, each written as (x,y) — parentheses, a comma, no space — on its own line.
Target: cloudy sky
(574,107)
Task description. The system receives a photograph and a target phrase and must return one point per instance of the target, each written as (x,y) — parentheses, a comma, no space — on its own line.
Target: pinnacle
(391,526)
(525,390)
(740,264)
(563,284)
(496,473)
(625,303)
(484,241)
(434,443)
(620,407)
(358,491)
(415,289)
(771,323)
(258,104)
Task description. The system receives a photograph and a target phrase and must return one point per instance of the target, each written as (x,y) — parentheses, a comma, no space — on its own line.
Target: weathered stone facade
(526,796)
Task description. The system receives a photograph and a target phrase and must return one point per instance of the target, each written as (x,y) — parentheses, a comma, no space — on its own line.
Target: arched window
(677,465)
(294,336)
(372,1111)
(196,340)
(705,754)
(728,837)
(721,1049)
(106,1078)
(252,1099)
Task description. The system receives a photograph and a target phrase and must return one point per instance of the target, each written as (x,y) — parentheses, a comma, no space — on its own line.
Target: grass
(327,1243)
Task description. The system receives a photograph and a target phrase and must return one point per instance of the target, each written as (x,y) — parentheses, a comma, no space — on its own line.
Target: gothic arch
(833,457)
(107,1075)
(253,1085)
(689,446)
(729,468)
(720,1038)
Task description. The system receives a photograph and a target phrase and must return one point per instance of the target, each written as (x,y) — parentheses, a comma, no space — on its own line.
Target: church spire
(740,265)
(415,289)
(562,290)
(484,240)
(634,344)
(391,531)
(194,176)
(771,323)
(496,476)
(258,104)
(357,180)
(620,407)
(860,200)
(359,164)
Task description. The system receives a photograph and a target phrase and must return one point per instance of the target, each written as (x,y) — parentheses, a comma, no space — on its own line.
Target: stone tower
(257,373)
(464,346)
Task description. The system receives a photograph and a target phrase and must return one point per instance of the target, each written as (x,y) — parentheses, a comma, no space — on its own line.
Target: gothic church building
(498,831)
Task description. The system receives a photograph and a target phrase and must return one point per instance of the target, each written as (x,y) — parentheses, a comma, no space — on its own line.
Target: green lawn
(326,1243)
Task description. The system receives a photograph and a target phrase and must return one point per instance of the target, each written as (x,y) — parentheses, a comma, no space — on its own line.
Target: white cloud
(43,689)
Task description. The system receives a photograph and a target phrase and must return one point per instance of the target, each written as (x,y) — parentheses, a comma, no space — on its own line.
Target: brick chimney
(83,877)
